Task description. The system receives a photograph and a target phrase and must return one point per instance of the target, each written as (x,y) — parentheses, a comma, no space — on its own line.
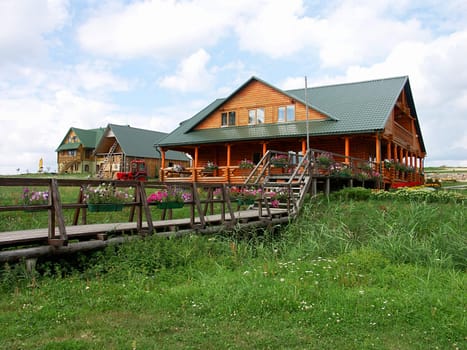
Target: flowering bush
(246,164)
(280,161)
(35,197)
(106,193)
(388,164)
(244,193)
(171,194)
(211,166)
(325,160)
(276,196)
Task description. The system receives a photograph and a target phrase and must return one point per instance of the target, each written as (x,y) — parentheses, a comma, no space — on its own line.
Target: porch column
(347,150)
(303,147)
(228,154)
(195,164)
(401,155)
(388,150)
(378,149)
(395,153)
(406,157)
(265,148)
(161,171)
(227,174)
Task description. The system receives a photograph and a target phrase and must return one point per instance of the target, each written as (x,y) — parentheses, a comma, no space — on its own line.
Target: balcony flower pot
(104,207)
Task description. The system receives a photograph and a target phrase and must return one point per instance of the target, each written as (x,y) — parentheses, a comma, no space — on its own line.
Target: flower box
(105,207)
(245,201)
(170,205)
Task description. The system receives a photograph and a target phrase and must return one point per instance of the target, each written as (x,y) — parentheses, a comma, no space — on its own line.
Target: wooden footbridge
(269,195)
(213,207)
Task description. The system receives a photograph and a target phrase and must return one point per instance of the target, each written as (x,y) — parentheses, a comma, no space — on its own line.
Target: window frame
(255,116)
(286,116)
(228,119)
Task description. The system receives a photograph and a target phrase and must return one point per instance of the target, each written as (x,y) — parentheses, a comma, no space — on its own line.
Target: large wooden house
(106,151)
(374,121)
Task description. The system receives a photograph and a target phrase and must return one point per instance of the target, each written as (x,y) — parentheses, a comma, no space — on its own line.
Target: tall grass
(348,274)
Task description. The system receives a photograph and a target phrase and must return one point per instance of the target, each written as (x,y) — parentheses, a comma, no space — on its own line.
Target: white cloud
(24,26)
(191,75)
(278,29)
(155,28)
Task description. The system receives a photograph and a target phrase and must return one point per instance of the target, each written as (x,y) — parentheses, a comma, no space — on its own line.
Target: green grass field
(356,271)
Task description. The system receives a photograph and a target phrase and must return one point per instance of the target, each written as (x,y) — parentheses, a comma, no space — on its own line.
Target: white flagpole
(306,106)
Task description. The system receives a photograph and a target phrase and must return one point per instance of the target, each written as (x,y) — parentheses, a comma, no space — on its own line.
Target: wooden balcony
(402,135)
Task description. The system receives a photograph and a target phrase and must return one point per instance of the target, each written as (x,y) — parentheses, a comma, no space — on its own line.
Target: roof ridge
(352,83)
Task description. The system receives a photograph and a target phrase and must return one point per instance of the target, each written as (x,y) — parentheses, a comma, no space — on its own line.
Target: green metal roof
(88,138)
(351,108)
(136,142)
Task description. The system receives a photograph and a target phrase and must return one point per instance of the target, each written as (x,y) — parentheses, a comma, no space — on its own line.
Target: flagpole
(307,127)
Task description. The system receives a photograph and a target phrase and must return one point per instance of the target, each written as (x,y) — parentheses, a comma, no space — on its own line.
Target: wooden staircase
(293,184)
(102,168)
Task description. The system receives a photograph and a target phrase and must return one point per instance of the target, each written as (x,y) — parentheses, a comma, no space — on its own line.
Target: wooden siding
(257,95)
(400,127)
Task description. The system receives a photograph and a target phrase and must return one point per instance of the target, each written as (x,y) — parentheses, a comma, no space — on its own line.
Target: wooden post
(265,148)
(196,163)
(228,154)
(388,150)
(162,164)
(377,166)
(347,150)
(56,212)
(144,204)
(227,174)
(303,147)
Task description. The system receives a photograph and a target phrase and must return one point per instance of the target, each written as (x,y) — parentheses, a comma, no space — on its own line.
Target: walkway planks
(76,234)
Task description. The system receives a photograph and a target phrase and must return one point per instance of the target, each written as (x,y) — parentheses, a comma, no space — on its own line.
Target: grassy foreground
(379,273)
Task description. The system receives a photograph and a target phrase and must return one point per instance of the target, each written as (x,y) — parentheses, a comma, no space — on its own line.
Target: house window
(286,114)
(72,153)
(256,116)
(228,118)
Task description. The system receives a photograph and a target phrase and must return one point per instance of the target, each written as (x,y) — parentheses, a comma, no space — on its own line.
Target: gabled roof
(136,142)
(88,138)
(352,108)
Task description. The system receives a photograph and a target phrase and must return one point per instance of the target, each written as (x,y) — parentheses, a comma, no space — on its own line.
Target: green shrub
(352,193)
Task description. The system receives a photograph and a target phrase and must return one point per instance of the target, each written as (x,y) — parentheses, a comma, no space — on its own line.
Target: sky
(153,64)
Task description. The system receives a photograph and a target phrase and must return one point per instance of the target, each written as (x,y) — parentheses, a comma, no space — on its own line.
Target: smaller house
(106,151)
(120,144)
(76,151)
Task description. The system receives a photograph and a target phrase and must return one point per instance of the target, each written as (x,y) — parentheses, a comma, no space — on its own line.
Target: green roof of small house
(136,142)
(353,108)
(88,138)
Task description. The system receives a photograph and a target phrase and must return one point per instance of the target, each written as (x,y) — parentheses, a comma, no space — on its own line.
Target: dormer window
(256,116)
(228,118)
(286,113)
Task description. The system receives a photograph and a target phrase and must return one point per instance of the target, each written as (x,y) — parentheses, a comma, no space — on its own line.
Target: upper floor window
(286,114)
(228,118)
(256,116)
